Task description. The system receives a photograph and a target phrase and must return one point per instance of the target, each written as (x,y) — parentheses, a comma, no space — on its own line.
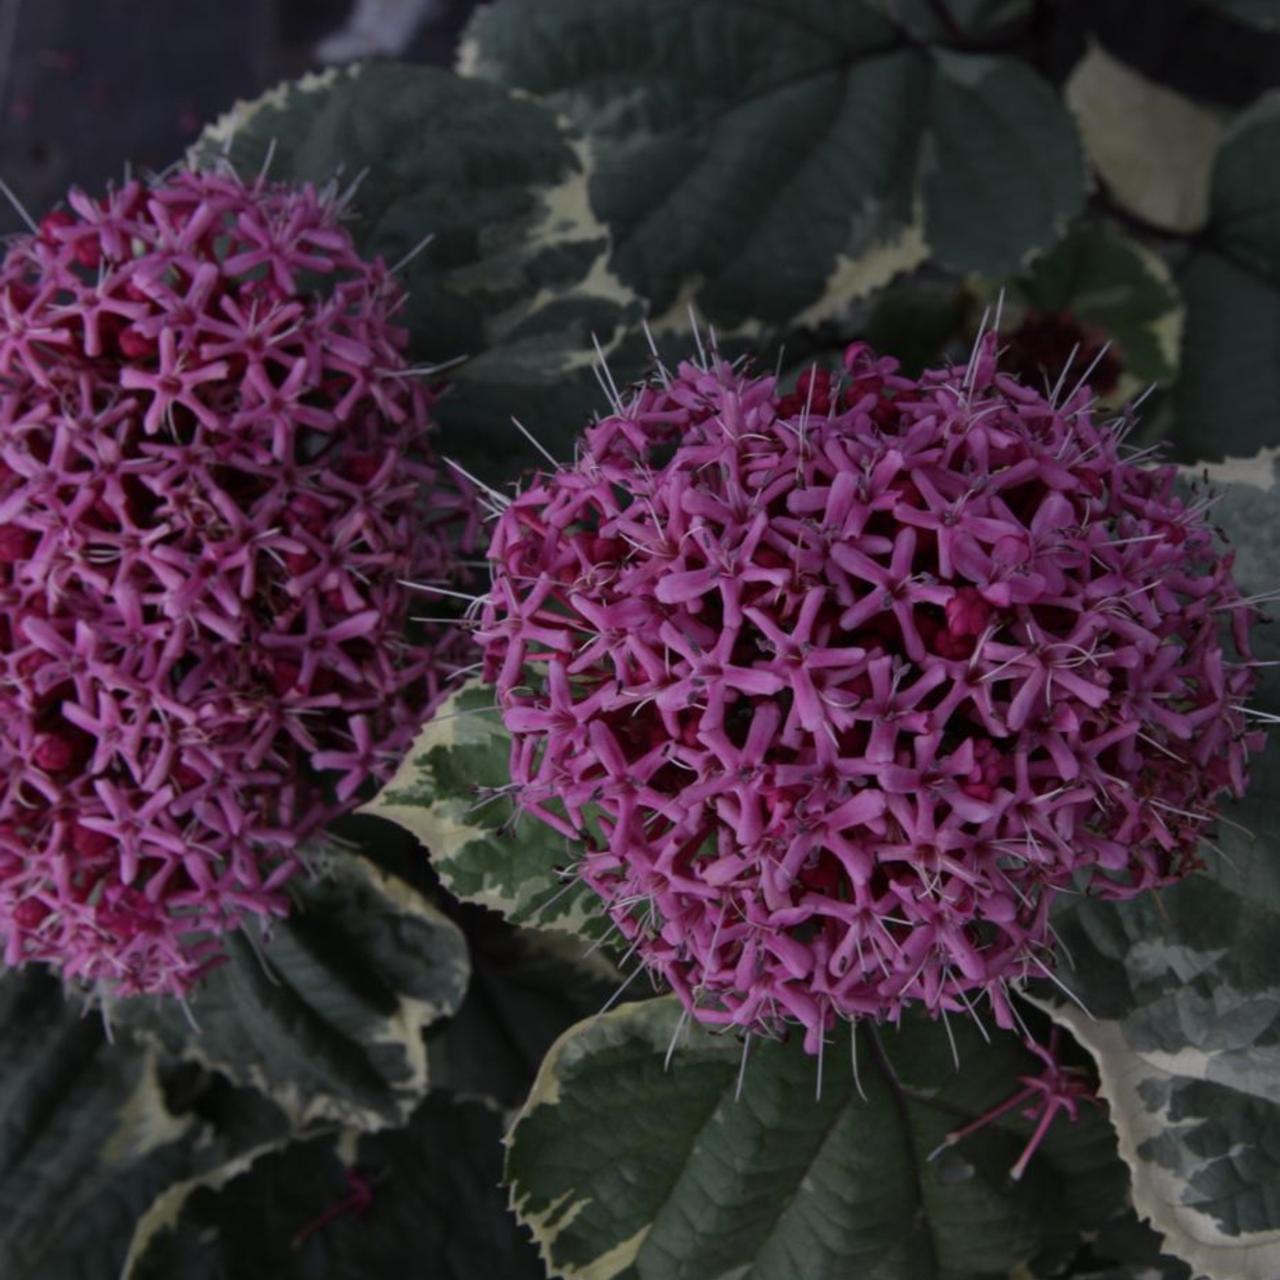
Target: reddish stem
(357,1201)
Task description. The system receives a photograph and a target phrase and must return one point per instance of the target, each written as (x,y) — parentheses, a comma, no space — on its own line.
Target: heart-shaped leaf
(783,156)
(624,1168)
(527,987)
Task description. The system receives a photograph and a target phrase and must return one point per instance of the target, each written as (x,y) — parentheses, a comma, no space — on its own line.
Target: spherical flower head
(214,480)
(839,689)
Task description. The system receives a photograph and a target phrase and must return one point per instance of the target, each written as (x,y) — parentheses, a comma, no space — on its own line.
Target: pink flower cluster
(213,478)
(840,688)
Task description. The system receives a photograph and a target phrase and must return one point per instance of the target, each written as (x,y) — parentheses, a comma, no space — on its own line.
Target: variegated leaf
(327,1017)
(1123,1249)
(1183,993)
(627,1170)
(527,987)
(452,791)
(478,198)
(1110,282)
(421,1201)
(1229,393)
(779,158)
(92,1133)
(1183,986)
(1153,147)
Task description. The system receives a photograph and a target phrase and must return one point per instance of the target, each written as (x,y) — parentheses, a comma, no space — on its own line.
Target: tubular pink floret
(214,479)
(841,688)
(1057,1090)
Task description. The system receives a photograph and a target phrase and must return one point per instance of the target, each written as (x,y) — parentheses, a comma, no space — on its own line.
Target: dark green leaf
(92,1133)
(1245,201)
(437,1212)
(527,987)
(1005,175)
(979,17)
(1123,1249)
(1229,394)
(1246,494)
(914,320)
(453,792)
(626,1169)
(514,276)
(774,157)
(327,1017)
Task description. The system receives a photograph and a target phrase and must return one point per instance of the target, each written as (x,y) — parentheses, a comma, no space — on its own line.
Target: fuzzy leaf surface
(627,1171)
(444,793)
(514,276)
(327,1017)
(437,1211)
(765,158)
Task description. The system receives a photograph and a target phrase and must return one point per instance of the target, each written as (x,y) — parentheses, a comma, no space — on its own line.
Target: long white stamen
(1062,986)
(441,591)
(266,161)
(853,1053)
(671,1048)
(742,1067)
(19,208)
(425,370)
(1062,377)
(697,339)
(499,499)
(413,253)
(529,436)
(1084,377)
(613,999)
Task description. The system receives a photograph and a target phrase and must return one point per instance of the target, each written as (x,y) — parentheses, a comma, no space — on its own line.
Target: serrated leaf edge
(1251,1256)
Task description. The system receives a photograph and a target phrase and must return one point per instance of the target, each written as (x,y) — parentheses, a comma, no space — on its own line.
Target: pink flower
(839,689)
(214,480)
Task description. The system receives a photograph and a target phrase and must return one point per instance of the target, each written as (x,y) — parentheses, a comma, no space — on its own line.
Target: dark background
(87,85)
